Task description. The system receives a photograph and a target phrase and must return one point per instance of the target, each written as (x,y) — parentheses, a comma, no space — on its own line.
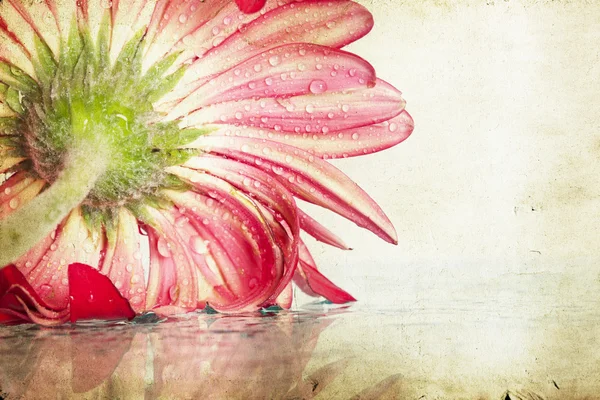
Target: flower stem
(27,226)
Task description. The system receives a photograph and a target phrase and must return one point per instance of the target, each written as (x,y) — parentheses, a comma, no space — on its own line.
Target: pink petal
(308,177)
(312,282)
(235,242)
(93,296)
(34,18)
(123,260)
(329,23)
(319,232)
(290,70)
(214,31)
(128,18)
(285,299)
(17,191)
(334,144)
(172,20)
(173,279)
(250,6)
(73,244)
(307,114)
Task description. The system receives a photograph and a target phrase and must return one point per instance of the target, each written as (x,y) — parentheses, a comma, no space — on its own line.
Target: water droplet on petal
(13,203)
(274,60)
(317,86)
(53,246)
(174,293)
(252,283)
(198,246)
(310,108)
(129,268)
(355,136)
(163,248)
(393,127)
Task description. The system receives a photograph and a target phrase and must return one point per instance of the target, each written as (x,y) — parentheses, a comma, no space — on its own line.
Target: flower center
(85,103)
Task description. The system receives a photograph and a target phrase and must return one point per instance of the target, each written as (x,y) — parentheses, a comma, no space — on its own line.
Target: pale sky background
(499,183)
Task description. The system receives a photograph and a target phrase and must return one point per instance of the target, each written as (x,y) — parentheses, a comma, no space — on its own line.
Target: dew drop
(129,268)
(174,293)
(393,127)
(53,246)
(163,248)
(345,108)
(252,283)
(317,86)
(277,170)
(183,18)
(274,60)
(355,136)
(13,203)
(198,246)
(310,108)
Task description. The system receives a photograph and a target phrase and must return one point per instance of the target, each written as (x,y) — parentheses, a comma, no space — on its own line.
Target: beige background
(500,180)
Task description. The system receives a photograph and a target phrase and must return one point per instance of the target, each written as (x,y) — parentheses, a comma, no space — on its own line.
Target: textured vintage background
(501,176)
(496,198)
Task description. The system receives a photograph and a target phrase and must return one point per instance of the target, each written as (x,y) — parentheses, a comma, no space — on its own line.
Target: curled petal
(308,177)
(312,282)
(234,241)
(285,299)
(93,296)
(173,280)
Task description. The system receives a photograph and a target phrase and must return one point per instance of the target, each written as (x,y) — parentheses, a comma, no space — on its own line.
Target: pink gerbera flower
(187,124)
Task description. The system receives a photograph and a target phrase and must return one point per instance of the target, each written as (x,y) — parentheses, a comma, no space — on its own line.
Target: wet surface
(458,349)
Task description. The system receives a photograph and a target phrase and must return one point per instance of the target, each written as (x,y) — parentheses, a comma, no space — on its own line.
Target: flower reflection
(203,356)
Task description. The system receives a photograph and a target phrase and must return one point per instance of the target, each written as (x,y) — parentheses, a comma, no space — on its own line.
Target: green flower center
(85,102)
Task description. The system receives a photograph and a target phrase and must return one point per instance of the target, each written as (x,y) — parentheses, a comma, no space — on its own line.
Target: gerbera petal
(334,144)
(329,23)
(123,260)
(238,245)
(129,17)
(173,280)
(15,60)
(310,114)
(289,70)
(312,282)
(93,296)
(74,243)
(18,190)
(214,31)
(279,208)
(172,20)
(319,232)
(308,177)
(285,299)
(38,16)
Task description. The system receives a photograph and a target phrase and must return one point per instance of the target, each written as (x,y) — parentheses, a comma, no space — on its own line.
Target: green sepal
(154,75)
(166,85)
(14,99)
(17,78)
(8,126)
(45,64)
(127,58)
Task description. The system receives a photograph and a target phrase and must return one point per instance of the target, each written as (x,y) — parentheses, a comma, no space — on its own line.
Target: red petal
(93,296)
(250,6)
(323,286)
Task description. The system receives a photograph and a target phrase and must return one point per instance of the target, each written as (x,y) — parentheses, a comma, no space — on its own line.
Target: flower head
(191,126)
